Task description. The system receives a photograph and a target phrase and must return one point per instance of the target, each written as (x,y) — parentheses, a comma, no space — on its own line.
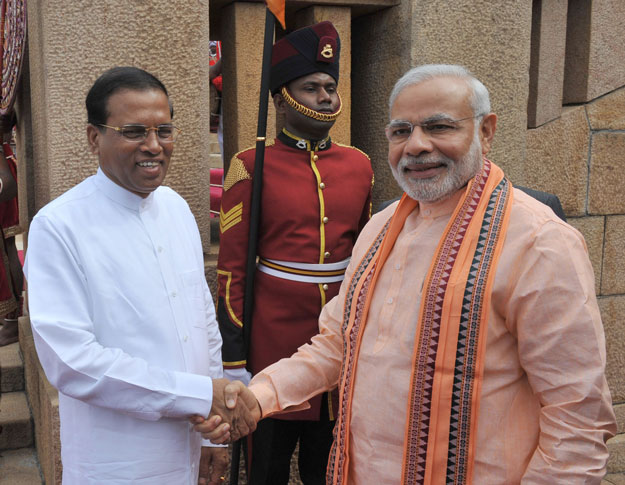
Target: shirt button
(315,157)
(326,254)
(322,186)
(427,212)
(390,300)
(325,287)
(397,266)
(173,294)
(160,249)
(325,220)
(186,337)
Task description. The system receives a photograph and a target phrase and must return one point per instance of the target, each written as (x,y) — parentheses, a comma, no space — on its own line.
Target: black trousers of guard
(273,444)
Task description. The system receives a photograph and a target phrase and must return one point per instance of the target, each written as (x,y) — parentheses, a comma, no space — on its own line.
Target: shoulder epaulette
(237,170)
(236,173)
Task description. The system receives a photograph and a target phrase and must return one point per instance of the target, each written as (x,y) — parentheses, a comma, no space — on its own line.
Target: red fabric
(9,210)
(282,50)
(218,83)
(286,312)
(216,190)
(215,200)
(216,176)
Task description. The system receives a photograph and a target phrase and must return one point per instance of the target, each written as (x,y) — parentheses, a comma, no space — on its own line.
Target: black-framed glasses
(398,131)
(166,133)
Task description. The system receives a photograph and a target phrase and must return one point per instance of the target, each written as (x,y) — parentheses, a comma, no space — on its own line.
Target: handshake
(233,415)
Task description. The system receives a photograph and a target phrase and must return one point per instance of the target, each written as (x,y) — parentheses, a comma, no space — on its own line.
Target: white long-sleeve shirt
(125,329)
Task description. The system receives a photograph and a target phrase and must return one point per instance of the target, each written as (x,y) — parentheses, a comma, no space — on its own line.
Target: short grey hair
(480,100)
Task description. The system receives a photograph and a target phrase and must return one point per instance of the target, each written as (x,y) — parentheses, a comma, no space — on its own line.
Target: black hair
(116,79)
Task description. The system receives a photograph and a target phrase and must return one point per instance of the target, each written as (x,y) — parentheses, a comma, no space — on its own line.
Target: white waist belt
(304,272)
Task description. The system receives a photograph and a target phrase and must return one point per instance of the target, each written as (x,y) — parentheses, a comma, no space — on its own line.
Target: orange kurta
(545,409)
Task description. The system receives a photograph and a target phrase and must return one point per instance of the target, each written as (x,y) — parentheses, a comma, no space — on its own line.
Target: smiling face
(317,91)
(139,167)
(441,155)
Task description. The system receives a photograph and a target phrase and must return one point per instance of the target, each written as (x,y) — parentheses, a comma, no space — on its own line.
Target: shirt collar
(119,194)
(298,143)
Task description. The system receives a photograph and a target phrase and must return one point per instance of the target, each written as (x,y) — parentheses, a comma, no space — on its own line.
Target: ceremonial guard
(316,197)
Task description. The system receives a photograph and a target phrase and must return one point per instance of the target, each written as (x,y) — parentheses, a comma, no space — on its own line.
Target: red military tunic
(316,198)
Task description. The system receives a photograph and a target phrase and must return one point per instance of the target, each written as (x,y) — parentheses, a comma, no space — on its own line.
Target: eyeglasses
(137,133)
(398,131)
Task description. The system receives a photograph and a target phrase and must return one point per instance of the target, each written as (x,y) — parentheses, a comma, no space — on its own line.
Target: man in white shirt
(122,317)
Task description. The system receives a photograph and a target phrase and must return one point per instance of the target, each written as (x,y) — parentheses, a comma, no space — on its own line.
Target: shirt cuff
(193,395)
(267,400)
(210,444)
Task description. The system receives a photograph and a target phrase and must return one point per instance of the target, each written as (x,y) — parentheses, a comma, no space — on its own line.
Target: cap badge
(327,50)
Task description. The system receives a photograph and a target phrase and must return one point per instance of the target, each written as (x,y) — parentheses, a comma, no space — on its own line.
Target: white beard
(441,186)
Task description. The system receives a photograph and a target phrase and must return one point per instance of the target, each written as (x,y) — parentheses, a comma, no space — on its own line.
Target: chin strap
(311,113)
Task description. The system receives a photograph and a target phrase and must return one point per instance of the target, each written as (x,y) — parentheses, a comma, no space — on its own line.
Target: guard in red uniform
(316,198)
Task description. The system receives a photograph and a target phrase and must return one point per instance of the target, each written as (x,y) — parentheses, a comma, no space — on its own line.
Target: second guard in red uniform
(316,198)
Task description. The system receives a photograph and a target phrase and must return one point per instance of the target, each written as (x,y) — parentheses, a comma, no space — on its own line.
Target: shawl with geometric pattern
(449,347)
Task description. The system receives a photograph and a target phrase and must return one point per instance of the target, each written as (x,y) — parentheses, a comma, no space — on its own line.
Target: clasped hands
(233,415)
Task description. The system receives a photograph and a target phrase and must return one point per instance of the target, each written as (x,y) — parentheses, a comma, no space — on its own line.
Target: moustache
(424,160)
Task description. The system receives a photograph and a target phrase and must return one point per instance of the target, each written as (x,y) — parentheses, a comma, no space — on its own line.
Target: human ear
(488,126)
(279,103)
(93,138)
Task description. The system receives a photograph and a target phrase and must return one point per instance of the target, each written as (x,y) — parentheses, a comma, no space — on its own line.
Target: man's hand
(213,464)
(234,413)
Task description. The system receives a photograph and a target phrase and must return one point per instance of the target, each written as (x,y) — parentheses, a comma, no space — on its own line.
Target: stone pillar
(380,55)
(341,17)
(497,52)
(24,148)
(418,32)
(242,47)
(72,43)
(595,58)
(547,61)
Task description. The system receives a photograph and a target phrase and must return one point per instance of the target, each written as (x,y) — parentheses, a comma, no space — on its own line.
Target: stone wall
(578,152)
(72,43)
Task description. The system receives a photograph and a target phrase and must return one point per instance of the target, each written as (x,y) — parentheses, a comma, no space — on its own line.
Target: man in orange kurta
(466,339)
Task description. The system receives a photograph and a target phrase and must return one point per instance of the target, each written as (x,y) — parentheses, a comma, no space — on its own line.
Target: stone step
(11,369)
(20,467)
(16,424)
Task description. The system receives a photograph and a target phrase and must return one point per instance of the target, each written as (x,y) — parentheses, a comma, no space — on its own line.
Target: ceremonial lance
(273,8)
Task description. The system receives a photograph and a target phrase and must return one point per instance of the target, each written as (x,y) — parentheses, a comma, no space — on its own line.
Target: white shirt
(125,329)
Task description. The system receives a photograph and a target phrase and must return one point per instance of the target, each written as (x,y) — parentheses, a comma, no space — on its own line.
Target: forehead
(314,78)
(438,96)
(129,104)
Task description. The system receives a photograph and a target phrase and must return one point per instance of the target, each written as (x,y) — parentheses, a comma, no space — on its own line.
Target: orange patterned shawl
(450,340)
